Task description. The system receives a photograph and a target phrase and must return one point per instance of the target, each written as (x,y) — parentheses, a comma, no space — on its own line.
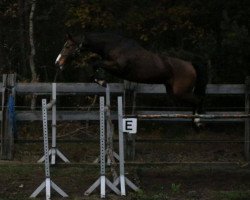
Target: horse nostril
(57,64)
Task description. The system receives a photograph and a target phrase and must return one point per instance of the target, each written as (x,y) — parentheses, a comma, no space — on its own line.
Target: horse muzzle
(59,65)
(60,60)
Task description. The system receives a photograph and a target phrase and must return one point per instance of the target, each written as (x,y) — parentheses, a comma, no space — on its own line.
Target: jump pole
(102,181)
(247,121)
(122,179)
(110,147)
(111,154)
(54,151)
(187,116)
(48,183)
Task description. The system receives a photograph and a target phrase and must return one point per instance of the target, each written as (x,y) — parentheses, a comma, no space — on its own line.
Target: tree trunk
(34,77)
(22,68)
(32,45)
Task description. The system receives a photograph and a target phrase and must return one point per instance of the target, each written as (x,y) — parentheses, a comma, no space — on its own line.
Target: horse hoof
(198,126)
(102,83)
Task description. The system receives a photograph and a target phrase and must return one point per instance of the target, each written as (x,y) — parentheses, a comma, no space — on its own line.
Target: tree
(22,38)
(34,76)
(32,45)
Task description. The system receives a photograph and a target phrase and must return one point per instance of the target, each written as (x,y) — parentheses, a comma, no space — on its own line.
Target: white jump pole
(48,183)
(109,129)
(122,179)
(102,181)
(54,151)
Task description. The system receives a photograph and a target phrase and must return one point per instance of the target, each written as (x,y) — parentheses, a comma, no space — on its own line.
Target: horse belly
(150,75)
(152,70)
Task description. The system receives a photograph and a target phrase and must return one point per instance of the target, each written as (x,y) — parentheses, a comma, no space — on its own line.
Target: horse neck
(101,42)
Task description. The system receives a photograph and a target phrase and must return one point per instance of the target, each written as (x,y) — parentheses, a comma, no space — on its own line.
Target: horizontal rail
(211,89)
(117,88)
(214,165)
(60,115)
(147,140)
(29,115)
(94,116)
(184,116)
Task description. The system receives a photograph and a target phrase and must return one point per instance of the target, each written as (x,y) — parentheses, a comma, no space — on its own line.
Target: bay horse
(126,59)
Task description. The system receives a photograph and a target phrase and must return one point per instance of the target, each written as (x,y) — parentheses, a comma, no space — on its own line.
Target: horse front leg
(100,65)
(98,75)
(109,65)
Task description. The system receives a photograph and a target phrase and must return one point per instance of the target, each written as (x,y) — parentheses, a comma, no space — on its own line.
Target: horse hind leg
(198,108)
(199,94)
(172,100)
(200,91)
(193,100)
(196,103)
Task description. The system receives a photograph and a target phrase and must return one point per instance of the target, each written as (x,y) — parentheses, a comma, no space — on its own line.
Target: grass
(156,183)
(233,195)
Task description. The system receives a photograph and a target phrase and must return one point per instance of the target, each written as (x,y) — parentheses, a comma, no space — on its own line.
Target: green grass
(233,195)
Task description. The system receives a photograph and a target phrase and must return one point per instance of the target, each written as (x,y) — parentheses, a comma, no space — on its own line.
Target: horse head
(71,49)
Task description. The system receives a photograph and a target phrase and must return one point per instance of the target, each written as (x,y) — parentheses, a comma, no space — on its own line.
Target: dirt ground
(192,182)
(168,164)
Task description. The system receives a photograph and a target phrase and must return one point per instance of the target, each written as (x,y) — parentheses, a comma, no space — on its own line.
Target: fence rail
(180,116)
(118,89)
(115,88)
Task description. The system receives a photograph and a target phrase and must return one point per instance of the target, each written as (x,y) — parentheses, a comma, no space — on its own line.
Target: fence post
(130,91)
(247,120)
(7,126)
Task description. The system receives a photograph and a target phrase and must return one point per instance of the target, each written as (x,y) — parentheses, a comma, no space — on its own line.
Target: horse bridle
(78,50)
(76,53)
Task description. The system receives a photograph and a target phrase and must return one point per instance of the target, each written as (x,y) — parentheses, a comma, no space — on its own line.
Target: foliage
(175,188)
(213,32)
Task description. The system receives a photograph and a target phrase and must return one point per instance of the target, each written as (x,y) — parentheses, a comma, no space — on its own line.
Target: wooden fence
(115,88)
(118,89)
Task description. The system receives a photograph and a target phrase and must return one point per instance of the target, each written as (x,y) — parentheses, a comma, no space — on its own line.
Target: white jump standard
(48,183)
(110,153)
(102,181)
(122,179)
(54,151)
(110,130)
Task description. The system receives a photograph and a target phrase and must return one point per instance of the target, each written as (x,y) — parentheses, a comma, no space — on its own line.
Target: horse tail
(201,79)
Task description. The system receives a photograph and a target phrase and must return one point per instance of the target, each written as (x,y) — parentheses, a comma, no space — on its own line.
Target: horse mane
(113,39)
